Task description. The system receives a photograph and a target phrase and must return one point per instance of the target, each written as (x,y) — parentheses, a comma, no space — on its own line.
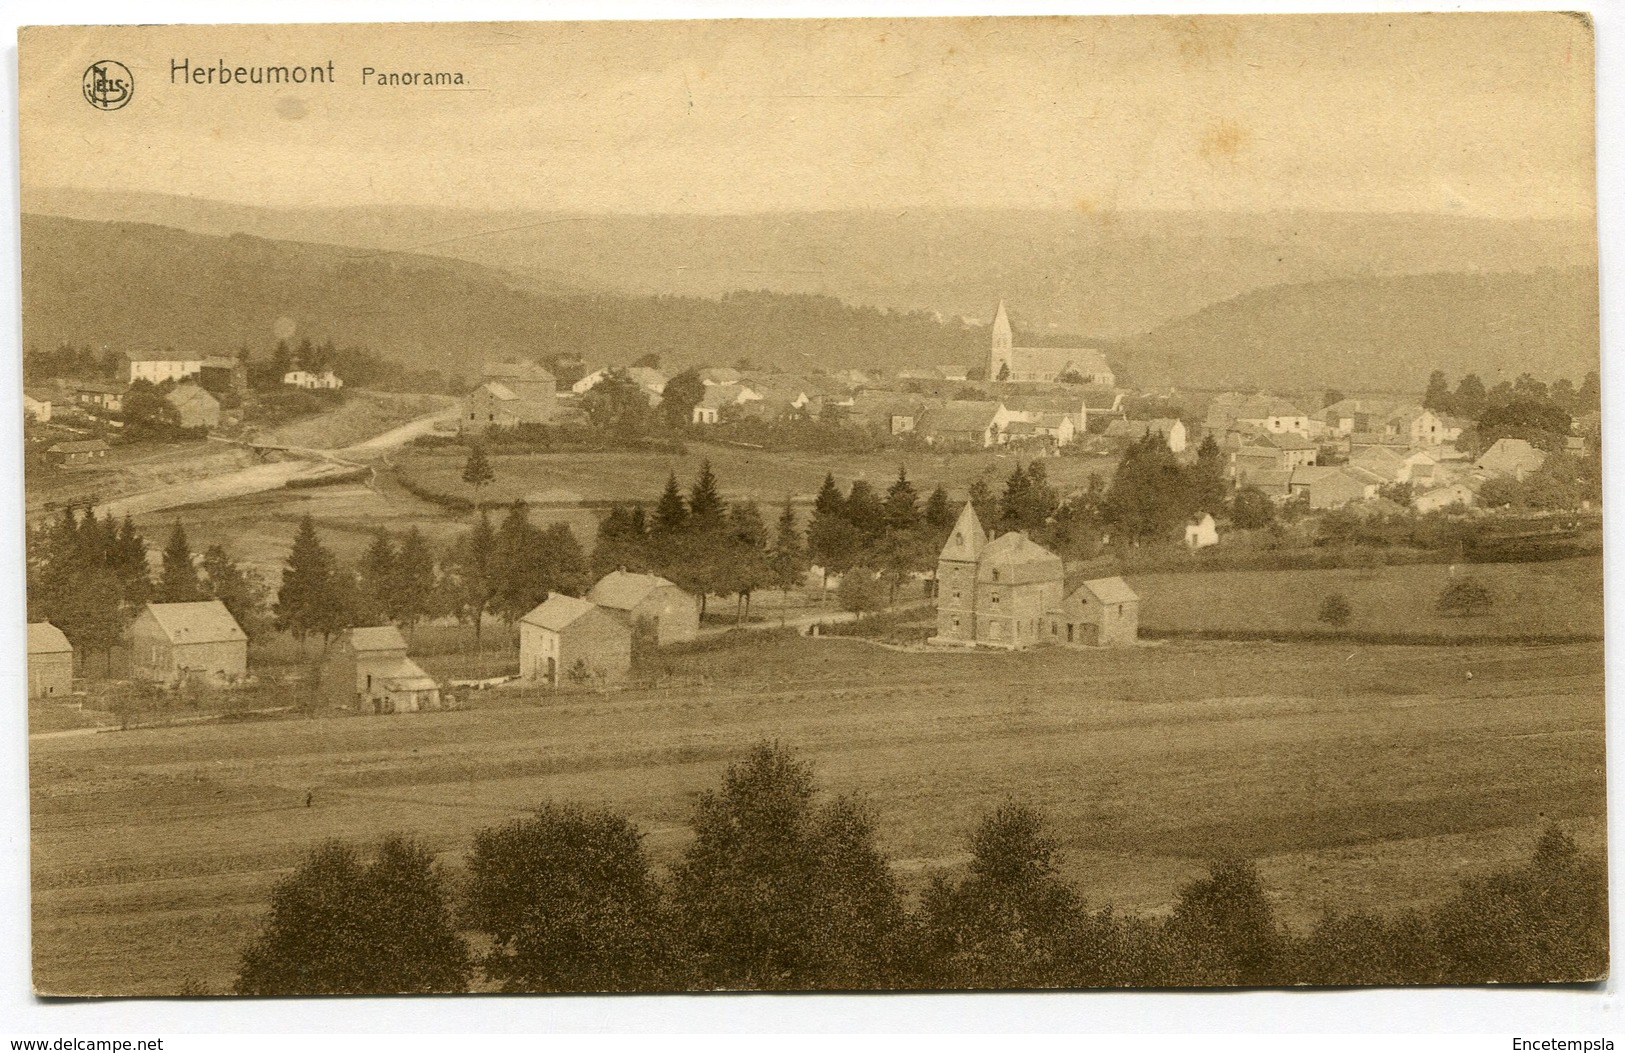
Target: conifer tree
(308,600)
(671,512)
(705,506)
(178,581)
(414,581)
(237,588)
(477,470)
(376,600)
(473,572)
(789,562)
(902,509)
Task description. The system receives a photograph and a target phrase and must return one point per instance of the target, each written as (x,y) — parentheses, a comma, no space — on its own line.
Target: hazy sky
(1483,114)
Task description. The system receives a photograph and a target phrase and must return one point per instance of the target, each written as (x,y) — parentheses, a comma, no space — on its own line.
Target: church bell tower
(999,357)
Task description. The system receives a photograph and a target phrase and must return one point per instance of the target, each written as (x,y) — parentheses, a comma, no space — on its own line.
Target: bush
(1335,610)
(1465,595)
(569,902)
(340,927)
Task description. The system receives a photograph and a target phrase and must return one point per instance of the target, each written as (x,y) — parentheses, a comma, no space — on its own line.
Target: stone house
(1511,457)
(50,662)
(76,451)
(194,406)
(1104,612)
(649,603)
(994,591)
(172,642)
(566,640)
(368,669)
(510,394)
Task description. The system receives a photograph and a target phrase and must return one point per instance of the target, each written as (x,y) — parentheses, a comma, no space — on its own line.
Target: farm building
(172,642)
(99,394)
(1444,497)
(568,640)
(1511,457)
(76,451)
(368,668)
(1201,532)
(1329,487)
(1104,612)
(156,369)
(50,662)
(994,591)
(194,407)
(670,614)
(974,423)
(510,394)
(37,406)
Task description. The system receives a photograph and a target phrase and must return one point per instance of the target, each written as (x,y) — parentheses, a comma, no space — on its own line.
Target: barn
(368,668)
(669,614)
(1104,612)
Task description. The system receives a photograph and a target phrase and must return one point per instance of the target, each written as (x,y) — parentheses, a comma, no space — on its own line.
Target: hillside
(1086,270)
(1384,333)
(135,286)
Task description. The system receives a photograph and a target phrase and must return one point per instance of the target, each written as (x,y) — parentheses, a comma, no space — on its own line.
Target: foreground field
(1358,776)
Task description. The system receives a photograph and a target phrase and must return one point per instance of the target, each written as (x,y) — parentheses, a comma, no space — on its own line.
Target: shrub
(340,927)
(1335,610)
(1465,595)
(1227,928)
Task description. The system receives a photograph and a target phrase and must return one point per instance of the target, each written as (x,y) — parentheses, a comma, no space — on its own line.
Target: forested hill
(136,287)
(1383,333)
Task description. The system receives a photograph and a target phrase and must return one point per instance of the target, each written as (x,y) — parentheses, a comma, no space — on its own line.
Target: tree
(618,404)
(147,413)
(1438,397)
(376,580)
(414,582)
(1149,497)
(789,562)
(743,560)
(310,599)
(621,543)
(570,903)
(860,592)
(865,511)
(477,470)
(679,397)
(983,500)
(1029,501)
(775,893)
(1470,396)
(473,571)
(519,565)
(1010,921)
(178,580)
(1401,494)
(705,505)
(337,926)
(901,510)
(238,588)
(564,562)
(671,511)
(1465,595)
(1335,610)
(1208,484)
(1251,509)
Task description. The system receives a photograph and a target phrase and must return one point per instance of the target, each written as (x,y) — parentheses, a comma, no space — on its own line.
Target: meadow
(1357,776)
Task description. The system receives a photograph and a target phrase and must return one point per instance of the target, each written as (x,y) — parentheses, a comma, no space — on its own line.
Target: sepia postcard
(813,505)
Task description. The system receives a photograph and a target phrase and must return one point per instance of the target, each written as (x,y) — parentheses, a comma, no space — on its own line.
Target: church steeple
(999,359)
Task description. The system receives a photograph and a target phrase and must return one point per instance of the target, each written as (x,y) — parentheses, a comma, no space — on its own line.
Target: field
(1357,776)
(1560,598)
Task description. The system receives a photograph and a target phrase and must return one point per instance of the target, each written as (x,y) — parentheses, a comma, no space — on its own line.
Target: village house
(37,406)
(995,592)
(1006,362)
(566,640)
(1104,612)
(173,642)
(651,381)
(99,395)
(224,374)
(1260,413)
(715,375)
(304,378)
(510,394)
(1274,483)
(368,669)
(155,369)
(1033,407)
(1328,487)
(1201,532)
(1101,401)
(965,423)
(1385,464)
(194,407)
(588,382)
(890,412)
(1172,429)
(50,662)
(1449,496)
(1514,458)
(76,451)
(1417,425)
(649,604)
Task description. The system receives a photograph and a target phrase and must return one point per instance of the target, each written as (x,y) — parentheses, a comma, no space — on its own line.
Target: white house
(303,378)
(588,382)
(156,369)
(1201,532)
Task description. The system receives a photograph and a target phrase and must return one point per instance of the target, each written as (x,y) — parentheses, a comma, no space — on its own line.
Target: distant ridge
(1099,273)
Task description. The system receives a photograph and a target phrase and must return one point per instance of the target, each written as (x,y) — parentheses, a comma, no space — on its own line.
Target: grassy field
(1358,776)
(1562,597)
(764,475)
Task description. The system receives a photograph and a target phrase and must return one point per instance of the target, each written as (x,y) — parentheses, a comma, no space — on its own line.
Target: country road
(305,464)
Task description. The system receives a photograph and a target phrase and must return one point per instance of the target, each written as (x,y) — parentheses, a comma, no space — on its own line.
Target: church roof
(1085,361)
(965,544)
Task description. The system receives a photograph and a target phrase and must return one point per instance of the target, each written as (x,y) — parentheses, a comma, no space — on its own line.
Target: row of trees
(783,890)
(1525,408)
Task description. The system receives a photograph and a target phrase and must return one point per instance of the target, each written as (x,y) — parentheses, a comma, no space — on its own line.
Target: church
(1044,365)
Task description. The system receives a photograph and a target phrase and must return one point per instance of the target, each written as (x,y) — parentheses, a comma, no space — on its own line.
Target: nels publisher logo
(108,85)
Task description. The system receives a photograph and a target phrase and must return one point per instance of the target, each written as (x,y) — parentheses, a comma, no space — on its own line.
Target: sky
(1483,114)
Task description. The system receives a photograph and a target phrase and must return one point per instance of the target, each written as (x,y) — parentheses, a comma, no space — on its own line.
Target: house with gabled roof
(1329,487)
(974,423)
(994,591)
(50,662)
(1103,612)
(650,604)
(566,641)
(175,642)
(1514,458)
(509,394)
(367,668)
(194,406)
